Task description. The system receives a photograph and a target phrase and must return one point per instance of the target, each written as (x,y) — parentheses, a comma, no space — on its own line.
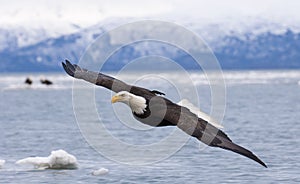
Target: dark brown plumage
(162,112)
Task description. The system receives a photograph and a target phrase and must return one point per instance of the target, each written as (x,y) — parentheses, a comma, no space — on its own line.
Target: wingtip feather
(67,68)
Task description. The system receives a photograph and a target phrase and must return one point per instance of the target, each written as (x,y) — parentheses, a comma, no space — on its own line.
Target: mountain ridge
(234,50)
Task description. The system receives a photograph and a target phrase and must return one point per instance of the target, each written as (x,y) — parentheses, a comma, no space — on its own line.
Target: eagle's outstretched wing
(106,81)
(204,131)
(95,78)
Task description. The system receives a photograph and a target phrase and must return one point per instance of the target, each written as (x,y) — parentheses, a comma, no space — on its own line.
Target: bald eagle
(151,108)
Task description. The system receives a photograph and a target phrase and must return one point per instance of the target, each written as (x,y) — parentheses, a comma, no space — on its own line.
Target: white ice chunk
(100,172)
(2,162)
(58,159)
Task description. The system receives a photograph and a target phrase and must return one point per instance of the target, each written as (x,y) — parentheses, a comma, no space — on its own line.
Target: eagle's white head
(136,103)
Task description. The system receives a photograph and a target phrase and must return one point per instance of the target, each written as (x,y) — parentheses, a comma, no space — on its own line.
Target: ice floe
(58,159)
(100,172)
(2,162)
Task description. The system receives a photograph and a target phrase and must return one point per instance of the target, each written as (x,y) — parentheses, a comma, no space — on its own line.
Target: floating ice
(58,159)
(100,172)
(2,162)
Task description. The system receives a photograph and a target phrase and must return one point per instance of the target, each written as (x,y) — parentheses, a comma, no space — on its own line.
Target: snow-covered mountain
(237,46)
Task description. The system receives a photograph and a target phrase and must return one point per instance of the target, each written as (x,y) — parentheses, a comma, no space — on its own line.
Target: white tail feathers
(199,113)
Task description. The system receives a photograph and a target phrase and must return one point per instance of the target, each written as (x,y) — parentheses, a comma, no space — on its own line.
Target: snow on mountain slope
(18,36)
(252,44)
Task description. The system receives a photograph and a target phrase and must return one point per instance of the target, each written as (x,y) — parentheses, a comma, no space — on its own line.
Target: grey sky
(89,12)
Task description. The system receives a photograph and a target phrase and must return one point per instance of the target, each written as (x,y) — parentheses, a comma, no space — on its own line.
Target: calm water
(262,114)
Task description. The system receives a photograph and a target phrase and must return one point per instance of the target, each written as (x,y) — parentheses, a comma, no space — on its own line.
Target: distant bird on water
(28,81)
(46,82)
(150,108)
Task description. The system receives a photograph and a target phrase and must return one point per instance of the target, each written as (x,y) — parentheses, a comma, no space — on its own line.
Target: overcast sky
(89,12)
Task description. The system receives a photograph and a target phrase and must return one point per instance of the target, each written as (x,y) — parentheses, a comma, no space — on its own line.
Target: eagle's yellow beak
(115,99)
